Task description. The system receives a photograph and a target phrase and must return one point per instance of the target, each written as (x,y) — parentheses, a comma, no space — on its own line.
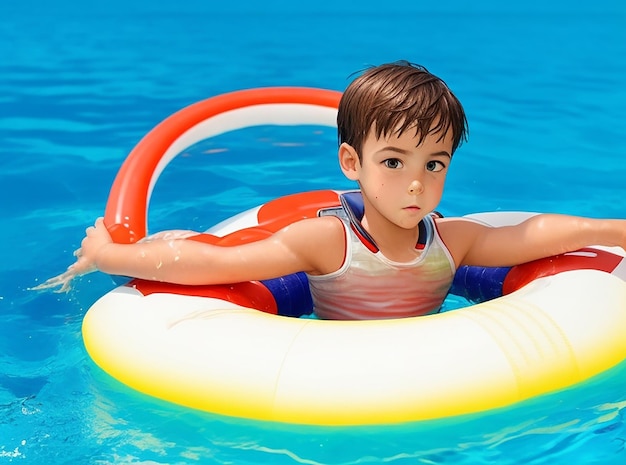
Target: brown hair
(395,97)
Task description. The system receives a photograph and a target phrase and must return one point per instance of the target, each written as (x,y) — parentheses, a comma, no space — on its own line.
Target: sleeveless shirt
(370,286)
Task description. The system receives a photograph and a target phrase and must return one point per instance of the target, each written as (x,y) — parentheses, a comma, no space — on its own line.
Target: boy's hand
(96,238)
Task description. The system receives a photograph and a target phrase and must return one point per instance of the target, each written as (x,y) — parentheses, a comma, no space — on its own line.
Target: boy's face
(401,182)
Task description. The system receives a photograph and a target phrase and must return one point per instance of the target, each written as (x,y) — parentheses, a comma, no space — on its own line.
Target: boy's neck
(394,242)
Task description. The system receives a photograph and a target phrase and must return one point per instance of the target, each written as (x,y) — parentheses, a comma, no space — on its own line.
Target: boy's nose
(415,187)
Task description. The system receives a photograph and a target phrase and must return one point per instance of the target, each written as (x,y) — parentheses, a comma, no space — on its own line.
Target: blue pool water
(544,86)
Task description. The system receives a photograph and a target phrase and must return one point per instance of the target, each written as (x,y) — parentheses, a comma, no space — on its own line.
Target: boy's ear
(349,162)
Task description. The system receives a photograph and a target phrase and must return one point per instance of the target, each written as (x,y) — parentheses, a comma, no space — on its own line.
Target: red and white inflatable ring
(126,211)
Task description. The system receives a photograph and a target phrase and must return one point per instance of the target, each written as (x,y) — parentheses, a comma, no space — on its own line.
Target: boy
(399,127)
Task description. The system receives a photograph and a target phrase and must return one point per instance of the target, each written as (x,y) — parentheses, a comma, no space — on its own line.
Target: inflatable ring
(126,210)
(238,350)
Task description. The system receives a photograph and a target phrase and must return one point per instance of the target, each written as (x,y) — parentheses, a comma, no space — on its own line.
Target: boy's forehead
(411,131)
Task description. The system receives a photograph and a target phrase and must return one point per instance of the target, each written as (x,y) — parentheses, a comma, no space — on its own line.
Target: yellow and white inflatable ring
(241,351)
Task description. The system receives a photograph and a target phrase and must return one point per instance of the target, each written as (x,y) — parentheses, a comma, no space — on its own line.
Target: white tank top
(370,286)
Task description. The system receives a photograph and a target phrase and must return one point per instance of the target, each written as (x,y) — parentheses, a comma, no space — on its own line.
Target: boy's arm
(303,246)
(472,243)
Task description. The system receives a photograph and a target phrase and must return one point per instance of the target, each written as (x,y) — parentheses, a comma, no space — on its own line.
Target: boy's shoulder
(458,234)
(451,227)
(319,241)
(315,229)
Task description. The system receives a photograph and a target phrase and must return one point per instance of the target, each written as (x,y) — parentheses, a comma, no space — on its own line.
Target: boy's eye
(435,165)
(392,163)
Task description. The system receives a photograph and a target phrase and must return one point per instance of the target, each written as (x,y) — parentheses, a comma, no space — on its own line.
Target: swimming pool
(544,88)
